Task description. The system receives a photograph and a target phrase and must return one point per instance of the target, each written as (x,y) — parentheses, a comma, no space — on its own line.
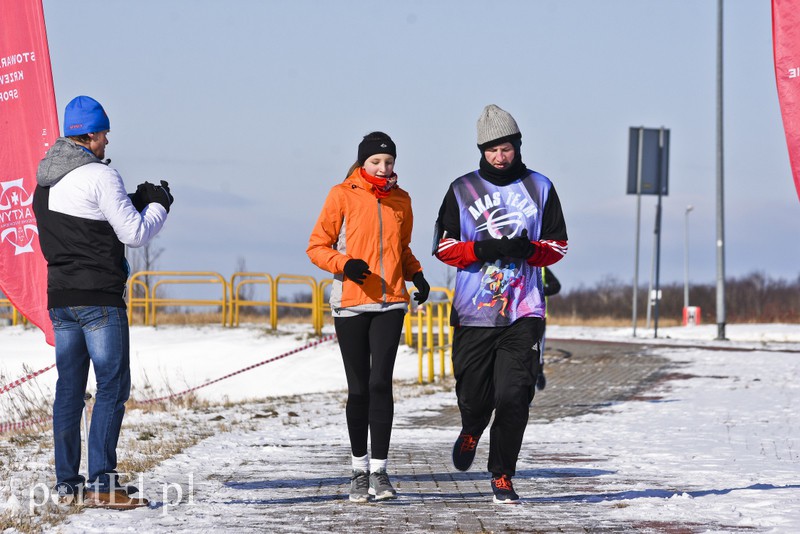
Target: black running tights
(368,342)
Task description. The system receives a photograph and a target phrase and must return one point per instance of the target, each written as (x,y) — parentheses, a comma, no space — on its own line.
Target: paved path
(583,377)
(288,473)
(272,482)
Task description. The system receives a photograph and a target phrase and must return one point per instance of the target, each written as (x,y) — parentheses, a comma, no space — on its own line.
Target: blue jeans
(98,334)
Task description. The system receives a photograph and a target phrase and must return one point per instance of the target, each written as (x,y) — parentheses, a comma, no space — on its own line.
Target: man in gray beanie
(498,225)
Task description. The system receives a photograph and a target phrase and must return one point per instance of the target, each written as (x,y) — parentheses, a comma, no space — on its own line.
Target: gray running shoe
(380,487)
(359,486)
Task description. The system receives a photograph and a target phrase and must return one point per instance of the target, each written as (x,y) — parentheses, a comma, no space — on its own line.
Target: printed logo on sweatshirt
(17,221)
(509,212)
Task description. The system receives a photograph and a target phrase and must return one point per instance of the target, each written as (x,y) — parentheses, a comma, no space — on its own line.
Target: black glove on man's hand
(136,198)
(165,185)
(489,249)
(150,193)
(357,270)
(423,288)
(519,247)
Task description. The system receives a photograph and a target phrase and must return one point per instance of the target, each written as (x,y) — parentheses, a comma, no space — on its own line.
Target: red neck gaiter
(381,187)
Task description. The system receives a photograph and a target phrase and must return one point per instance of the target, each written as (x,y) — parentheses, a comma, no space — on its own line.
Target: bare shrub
(753,298)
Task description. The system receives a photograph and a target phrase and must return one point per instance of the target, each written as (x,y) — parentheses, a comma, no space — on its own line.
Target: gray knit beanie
(495,125)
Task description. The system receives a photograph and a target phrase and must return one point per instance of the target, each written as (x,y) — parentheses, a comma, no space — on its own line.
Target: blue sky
(252,110)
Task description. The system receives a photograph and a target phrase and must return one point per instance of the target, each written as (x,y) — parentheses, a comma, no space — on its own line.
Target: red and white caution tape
(20,381)
(7,427)
(284,355)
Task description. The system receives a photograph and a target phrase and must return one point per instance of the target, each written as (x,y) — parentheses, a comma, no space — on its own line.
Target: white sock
(361,463)
(377,465)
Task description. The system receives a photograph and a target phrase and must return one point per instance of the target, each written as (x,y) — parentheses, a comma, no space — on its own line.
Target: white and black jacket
(85,219)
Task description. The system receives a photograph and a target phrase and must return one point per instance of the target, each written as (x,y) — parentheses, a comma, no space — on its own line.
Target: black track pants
(496,369)
(369,343)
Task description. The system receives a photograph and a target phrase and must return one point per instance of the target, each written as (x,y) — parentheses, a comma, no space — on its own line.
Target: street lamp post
(686,259)
(720,187)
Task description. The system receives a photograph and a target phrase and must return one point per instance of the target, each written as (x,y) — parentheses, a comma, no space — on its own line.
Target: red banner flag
(28,127)
(786,47)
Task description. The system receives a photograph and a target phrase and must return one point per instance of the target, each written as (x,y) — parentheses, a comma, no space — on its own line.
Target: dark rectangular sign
(654,161)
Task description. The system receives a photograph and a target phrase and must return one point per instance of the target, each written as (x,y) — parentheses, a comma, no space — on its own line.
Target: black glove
(357,270)
(165,185)
(489,249)
(136,198)
(150,193)
(519,247)
(423,288)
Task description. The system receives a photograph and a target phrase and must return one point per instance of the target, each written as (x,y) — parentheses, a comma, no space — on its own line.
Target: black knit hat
(375,143)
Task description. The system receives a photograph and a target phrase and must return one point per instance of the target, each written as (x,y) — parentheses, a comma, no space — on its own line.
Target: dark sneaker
(464,451)
(116,500)
(359,486)
(504,491)
(67,494)
(380,487)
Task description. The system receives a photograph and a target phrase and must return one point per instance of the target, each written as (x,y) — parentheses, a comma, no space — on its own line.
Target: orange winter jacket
(354,224)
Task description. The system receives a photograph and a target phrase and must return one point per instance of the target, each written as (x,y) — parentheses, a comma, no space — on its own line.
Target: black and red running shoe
(464,451)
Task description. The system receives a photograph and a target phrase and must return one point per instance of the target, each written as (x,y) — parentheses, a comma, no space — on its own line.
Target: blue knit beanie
(84,115)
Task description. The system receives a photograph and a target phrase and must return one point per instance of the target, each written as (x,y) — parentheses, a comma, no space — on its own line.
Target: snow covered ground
(718,451)
(185,357)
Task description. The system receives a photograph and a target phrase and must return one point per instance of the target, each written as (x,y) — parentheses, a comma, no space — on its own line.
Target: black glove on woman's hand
(519,247)
(357,270)
(489,249)
(423,288)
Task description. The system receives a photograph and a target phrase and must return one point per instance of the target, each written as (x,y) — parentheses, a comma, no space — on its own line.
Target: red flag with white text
(28,127)
(786,48)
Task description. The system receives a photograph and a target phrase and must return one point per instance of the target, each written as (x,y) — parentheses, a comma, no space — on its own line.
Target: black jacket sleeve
(553,226)
(448,223)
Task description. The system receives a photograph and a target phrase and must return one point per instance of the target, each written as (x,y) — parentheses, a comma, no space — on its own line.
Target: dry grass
(151,433)
(183,318)
(46,518)
(211,318)
(610,322)
(187,318)
(26,456)
(157,444)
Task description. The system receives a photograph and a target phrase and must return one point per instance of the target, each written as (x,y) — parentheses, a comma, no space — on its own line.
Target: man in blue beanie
(85,220)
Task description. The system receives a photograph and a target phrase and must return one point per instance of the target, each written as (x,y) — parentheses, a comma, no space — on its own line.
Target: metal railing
(323,304)
(151,301)
(144,295)
(426,327)
(16,317)
(289,279)
(238,283)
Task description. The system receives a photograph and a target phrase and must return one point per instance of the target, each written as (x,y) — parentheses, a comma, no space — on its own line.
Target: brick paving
(583,377)
(307,490)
